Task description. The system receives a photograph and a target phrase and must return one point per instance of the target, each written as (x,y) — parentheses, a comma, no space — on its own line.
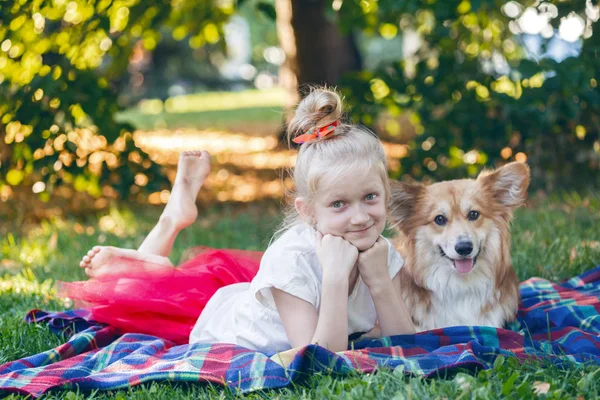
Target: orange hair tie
(320,133)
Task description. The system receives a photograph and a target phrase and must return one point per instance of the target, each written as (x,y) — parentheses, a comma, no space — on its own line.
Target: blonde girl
(328,274)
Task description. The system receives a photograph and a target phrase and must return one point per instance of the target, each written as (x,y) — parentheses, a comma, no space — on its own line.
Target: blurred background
(98,97)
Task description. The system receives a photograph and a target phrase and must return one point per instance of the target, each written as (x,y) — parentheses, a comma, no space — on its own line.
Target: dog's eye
(473,215)
(440,220)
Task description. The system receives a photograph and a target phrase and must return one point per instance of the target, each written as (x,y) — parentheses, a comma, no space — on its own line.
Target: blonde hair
(349,149)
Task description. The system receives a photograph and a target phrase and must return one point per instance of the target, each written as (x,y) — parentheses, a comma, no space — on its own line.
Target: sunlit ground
(245,168)
(253,112)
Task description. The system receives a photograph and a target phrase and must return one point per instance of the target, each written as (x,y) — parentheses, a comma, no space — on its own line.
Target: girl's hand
(336,256)
(373,264)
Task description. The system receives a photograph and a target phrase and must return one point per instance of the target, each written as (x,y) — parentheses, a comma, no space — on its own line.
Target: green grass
(249,111)
(258,118)
(557,239)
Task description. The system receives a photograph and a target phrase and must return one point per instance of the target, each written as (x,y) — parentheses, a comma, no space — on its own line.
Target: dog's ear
(403,201)
(508,184)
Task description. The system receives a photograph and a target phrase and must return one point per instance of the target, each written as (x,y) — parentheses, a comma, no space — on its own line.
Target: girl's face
(353,207)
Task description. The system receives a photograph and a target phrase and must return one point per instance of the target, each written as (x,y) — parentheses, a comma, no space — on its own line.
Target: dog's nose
(464,247)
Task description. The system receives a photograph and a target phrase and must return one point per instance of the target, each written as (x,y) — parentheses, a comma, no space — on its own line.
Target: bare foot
(85,261)
(192,170)
(107,260)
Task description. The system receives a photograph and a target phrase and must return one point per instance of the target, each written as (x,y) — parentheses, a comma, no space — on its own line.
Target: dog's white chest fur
(465,311)
(459,301)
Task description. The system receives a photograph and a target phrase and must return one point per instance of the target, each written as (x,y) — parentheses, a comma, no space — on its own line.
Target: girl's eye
(440,220)
(337,204)
(473,215)
(371,196)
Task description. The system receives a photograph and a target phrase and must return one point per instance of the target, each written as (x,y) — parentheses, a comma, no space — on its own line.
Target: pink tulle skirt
(142,297)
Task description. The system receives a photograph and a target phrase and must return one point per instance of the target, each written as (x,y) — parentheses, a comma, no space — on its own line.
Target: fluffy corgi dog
(455,240)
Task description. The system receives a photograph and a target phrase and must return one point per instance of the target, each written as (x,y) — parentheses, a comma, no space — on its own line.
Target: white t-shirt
(245,313)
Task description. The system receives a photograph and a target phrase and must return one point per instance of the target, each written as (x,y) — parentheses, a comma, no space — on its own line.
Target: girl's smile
(361,231)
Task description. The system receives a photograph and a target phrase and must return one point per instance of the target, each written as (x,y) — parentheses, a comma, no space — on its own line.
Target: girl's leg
(179,213)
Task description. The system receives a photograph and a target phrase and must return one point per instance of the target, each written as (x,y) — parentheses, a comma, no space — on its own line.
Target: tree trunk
(5,150)
(316,51)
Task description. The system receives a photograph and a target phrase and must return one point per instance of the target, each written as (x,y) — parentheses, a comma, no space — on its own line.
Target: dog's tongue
(464,265)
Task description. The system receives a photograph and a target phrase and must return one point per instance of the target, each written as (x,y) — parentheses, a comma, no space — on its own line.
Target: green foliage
(59,70)
(465,113)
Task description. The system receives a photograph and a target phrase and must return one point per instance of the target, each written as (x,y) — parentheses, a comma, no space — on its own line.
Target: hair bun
(319,108)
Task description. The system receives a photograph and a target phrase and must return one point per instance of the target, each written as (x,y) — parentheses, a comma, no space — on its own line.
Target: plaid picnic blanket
(556,322)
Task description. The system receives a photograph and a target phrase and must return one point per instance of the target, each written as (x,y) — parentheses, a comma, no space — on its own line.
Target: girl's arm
(403,312)
(299,317)
(304,325)
(392,313)
(329,326)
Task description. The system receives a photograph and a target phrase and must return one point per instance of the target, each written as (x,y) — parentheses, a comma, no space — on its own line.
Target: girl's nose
(359,216)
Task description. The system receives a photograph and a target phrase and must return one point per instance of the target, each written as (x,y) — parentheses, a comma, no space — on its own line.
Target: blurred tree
(317,52)
(60,64)
(486,82)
